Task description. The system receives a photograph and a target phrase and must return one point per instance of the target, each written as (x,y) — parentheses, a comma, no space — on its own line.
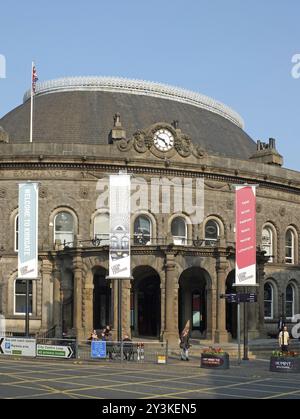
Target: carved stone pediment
(143,141)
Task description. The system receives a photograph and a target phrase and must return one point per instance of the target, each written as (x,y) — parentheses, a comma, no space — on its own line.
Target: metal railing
(147,352)
(142,241)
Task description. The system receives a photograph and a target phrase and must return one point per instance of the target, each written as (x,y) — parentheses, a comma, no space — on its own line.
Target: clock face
(163,140)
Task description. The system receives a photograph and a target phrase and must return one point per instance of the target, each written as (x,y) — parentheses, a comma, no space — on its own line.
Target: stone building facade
(87,128)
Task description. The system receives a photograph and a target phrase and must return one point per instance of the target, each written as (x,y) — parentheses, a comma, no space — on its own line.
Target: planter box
(285,364)
(220,362)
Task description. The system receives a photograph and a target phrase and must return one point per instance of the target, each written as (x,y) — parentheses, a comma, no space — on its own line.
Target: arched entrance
(145,302)
(193,301)
(101,299)
(231,308)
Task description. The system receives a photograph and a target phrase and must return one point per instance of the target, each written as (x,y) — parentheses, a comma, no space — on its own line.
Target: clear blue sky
(235,51)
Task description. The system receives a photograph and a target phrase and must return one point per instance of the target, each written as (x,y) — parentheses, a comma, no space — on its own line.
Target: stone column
(87,309)
(126,287)
(260,299)
(47,295)
(57,318)
(211,313)
(162,305)
(77,271)
(221,334)
(171,329)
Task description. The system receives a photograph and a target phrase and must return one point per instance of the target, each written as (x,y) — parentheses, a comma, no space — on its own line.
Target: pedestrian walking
(284,339)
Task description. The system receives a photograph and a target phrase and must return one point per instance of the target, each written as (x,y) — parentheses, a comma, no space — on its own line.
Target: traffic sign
(54,351)
(240,298)
(17,346)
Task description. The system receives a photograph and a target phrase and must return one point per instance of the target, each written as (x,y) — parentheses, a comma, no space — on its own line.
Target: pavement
(180,380)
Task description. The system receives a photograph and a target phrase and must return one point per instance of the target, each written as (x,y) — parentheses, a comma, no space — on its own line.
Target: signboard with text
(245,236)
(119,246)
(17,347)
(28,231)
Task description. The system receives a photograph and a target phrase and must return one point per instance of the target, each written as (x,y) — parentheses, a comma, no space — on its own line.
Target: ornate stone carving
(43,192)
(140,142)
(198,151)
(183,145)
(216,185)
(3,193)
(282,211)
(84,192)
(124,145)
(258,207)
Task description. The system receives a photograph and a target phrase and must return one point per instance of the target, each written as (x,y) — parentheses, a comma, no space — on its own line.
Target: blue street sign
(98,349)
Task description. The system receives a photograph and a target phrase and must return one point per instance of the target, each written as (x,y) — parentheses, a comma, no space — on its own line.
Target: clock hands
(163,140)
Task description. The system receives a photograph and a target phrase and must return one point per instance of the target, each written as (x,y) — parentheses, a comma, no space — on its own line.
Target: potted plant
(285,362)
(215,358)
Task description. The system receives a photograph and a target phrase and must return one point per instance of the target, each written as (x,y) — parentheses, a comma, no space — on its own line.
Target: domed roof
(81,110)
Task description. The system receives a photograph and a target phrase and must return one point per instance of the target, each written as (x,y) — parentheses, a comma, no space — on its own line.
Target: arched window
(290,301)
(290,247)
(179,231)
(212,232)
(20,296)
(16,235)
(269,301)
(267,242)
(142,230)
(101,228)
(64,228)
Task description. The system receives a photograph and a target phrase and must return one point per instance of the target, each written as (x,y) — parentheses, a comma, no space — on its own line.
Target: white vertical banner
(28,230)
(119,234)
(245,206)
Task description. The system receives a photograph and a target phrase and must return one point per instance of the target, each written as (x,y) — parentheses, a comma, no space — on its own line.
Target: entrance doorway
(101,300)
(145,310)
(193,287)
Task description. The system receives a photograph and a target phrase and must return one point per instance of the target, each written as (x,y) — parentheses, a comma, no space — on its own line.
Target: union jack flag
(34,78)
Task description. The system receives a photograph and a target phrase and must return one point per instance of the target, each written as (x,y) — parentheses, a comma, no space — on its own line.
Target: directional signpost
(17,347)
(52,351)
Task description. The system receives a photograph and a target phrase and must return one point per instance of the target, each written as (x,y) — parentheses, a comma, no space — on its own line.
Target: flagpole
(31,103)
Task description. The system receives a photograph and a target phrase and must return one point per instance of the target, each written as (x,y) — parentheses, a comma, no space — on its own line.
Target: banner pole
(120,310)
(239,331)
(31,105)
(27,309)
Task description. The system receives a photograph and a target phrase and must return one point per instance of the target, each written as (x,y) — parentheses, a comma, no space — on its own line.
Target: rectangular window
(20,296)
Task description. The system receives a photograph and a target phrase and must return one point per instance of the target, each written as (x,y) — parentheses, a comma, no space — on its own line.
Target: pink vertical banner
(245,206)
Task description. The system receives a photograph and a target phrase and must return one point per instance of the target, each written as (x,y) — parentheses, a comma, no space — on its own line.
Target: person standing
(284,339)
(184,342)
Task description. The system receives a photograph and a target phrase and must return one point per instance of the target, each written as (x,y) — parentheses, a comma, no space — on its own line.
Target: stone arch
(221,222)
(146,302)
(53,215)
(195,301)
